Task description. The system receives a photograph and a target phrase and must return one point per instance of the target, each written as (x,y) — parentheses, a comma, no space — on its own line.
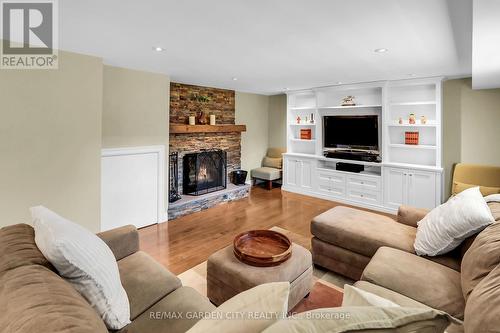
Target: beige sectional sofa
(34,298)
(378,251)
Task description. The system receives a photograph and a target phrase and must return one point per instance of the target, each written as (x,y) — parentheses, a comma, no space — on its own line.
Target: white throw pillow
(86,262)
(446,226)
(250,311)
(357,297)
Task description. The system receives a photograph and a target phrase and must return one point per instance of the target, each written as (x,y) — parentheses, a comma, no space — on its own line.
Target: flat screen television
(353,132)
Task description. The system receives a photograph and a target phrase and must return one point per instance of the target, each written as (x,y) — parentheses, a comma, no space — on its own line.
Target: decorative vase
(423,120)
(201,117)
(412,119)
(400,121)
(212,119)
(192,120)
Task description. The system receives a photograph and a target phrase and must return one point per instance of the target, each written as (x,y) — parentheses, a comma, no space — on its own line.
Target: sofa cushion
(495,210)
(482,309)
(266,173)
(18,248)
(275,152)
(184,305)
(481,258)
(362,232)
(485,190)
(35,299)
(272,162)
(145,281)
(423,280)
(388,294)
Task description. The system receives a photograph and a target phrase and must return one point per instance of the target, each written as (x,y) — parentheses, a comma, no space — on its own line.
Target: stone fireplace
(192,142)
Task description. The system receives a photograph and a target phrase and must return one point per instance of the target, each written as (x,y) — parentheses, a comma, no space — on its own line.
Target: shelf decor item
(298,119)
(262,248)
(192,120)
(312,118)
(305,134)
(348,101)
(411,138)
(201,117)
(400,121)
(423,120)
(412,120)
(212,119)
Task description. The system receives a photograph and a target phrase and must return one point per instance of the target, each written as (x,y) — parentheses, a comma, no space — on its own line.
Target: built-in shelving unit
(409,174)
(423,99)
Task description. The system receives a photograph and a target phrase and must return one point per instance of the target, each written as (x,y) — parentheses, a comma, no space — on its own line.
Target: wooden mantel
(186,129)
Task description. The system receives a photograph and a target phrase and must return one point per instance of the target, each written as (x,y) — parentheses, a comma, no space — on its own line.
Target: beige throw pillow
(250,311)
(357,297)
(366,319)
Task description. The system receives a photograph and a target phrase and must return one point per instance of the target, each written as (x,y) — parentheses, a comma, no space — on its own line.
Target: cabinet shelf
(351,107)
(303,140)
(303,108)
(398,145)
(412,125)
(414,103)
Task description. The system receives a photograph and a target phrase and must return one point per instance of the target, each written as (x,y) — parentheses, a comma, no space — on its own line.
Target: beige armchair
(270,171)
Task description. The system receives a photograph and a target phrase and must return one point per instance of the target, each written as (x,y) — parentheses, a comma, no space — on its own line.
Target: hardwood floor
(188,241)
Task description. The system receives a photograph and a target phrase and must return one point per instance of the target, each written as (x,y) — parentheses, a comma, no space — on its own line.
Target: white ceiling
(486,44)
(272,44)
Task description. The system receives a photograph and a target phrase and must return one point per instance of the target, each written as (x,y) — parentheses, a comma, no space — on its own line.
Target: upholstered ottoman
(227,276)
(345,239)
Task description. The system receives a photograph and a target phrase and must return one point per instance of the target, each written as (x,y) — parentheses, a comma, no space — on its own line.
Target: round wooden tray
(262,248)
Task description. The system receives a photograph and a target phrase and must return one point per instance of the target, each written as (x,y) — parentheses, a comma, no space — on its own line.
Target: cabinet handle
(404,174)
(361,195)
(362,182)
(410,174)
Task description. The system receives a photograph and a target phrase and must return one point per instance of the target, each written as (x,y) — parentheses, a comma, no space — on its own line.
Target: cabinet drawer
(366,196)
(326,177)
(332,190)
(367,183)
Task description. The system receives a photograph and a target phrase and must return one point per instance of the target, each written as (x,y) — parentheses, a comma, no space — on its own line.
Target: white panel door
(292,172)
(395,187)
(306,171)
(130,190)
(422,189)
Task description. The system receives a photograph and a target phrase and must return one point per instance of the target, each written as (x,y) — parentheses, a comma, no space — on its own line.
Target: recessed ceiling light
(381,50)
(235,79)
(158,48)
(412,75)
(339,82)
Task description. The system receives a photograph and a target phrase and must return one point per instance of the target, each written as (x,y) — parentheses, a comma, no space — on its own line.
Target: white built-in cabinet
(408,174)
(411,187)
(298,173)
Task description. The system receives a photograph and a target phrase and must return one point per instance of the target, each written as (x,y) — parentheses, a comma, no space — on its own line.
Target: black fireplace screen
(204,172)
(173,164)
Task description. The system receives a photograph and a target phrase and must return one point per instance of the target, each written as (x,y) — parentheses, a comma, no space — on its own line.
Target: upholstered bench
(227,276)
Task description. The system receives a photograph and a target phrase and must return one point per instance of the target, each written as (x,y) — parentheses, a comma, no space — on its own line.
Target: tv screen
(355,132)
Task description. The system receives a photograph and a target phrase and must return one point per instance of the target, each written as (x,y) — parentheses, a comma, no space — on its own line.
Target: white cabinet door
(395,187)
(422,189)
(292,172)
(306,171)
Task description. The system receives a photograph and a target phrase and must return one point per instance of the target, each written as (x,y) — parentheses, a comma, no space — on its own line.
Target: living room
(321,166)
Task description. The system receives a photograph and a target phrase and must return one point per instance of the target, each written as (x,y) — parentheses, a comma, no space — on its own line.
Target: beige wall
(50,140)
(277,121)
(252,110)
(135,108)
(471,125)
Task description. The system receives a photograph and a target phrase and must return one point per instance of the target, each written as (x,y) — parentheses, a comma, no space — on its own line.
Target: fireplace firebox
(204,172)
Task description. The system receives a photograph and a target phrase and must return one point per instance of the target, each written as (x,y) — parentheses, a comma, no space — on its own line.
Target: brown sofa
(34,298)
(378,251)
